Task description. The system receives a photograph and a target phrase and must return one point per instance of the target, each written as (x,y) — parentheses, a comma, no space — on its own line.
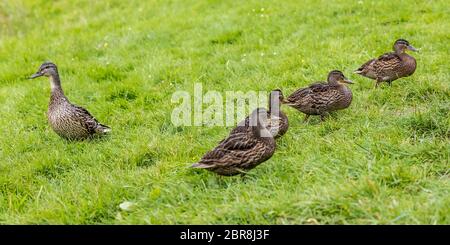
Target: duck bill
(412,48)
(37,74)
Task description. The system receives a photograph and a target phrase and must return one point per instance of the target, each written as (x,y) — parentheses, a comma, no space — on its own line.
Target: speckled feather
(238,153)
(320,98)
(389,66)
(276,126)
(71,121)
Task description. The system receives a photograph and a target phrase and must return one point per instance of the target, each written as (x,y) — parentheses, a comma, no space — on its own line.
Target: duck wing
(238,142)
(364,67)
(388,60)
(242,127)
(229,152)
(302,93)
(381,66)
(88,121)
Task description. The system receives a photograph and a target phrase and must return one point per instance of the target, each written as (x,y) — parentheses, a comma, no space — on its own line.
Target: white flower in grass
(127,206)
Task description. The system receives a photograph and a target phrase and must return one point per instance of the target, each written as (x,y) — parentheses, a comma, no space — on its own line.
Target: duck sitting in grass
(66,119)
(277,122)
(390,66)
(241,151)
(322,98)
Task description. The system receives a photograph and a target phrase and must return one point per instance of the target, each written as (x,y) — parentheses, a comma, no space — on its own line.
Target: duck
(390,66)
(69,121)
(277,121)
(241,151)
(321,98)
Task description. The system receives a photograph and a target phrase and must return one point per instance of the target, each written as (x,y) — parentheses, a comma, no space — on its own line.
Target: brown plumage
(241,151)
(390,66)
(321,98)
(66,119)
(277,122)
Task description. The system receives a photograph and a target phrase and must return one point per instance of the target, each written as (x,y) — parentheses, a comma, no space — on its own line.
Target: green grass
(385,160)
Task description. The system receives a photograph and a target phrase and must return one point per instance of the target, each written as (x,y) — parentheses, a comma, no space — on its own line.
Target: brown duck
(322,98)
(277,121)
(390,66)
(68,120)
(241,151)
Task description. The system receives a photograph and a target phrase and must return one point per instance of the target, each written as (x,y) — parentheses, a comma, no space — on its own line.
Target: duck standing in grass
(390,66)
(277,121)
(66,119)
(322,98)
(241,151)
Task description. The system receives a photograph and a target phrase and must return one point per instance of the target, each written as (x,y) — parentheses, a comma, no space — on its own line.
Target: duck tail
(359,70)
(200,165)
(363,68)
(102,129)
(284,101)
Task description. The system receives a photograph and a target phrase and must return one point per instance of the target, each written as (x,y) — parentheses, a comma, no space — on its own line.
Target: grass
(385,160)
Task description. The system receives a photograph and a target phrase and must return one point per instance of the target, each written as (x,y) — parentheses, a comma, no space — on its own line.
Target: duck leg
(306,118)
(379,81)
(390,83)
(243,176)
(323,116)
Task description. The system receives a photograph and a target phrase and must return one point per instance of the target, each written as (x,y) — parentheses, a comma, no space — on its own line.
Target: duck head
(276,94)
(46,69)
(337,77)
(401,46)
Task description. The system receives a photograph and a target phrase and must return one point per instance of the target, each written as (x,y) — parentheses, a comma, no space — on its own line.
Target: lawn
(384,160)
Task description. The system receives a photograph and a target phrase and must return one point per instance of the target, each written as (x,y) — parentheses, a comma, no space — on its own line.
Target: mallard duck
(390,66)
(241,151)
(277,122)
(68,120)
(321,98)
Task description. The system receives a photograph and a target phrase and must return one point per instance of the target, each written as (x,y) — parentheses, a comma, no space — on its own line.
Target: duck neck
(343,87)
(55,84)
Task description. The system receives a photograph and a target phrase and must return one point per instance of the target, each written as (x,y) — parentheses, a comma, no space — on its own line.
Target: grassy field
(385,160)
